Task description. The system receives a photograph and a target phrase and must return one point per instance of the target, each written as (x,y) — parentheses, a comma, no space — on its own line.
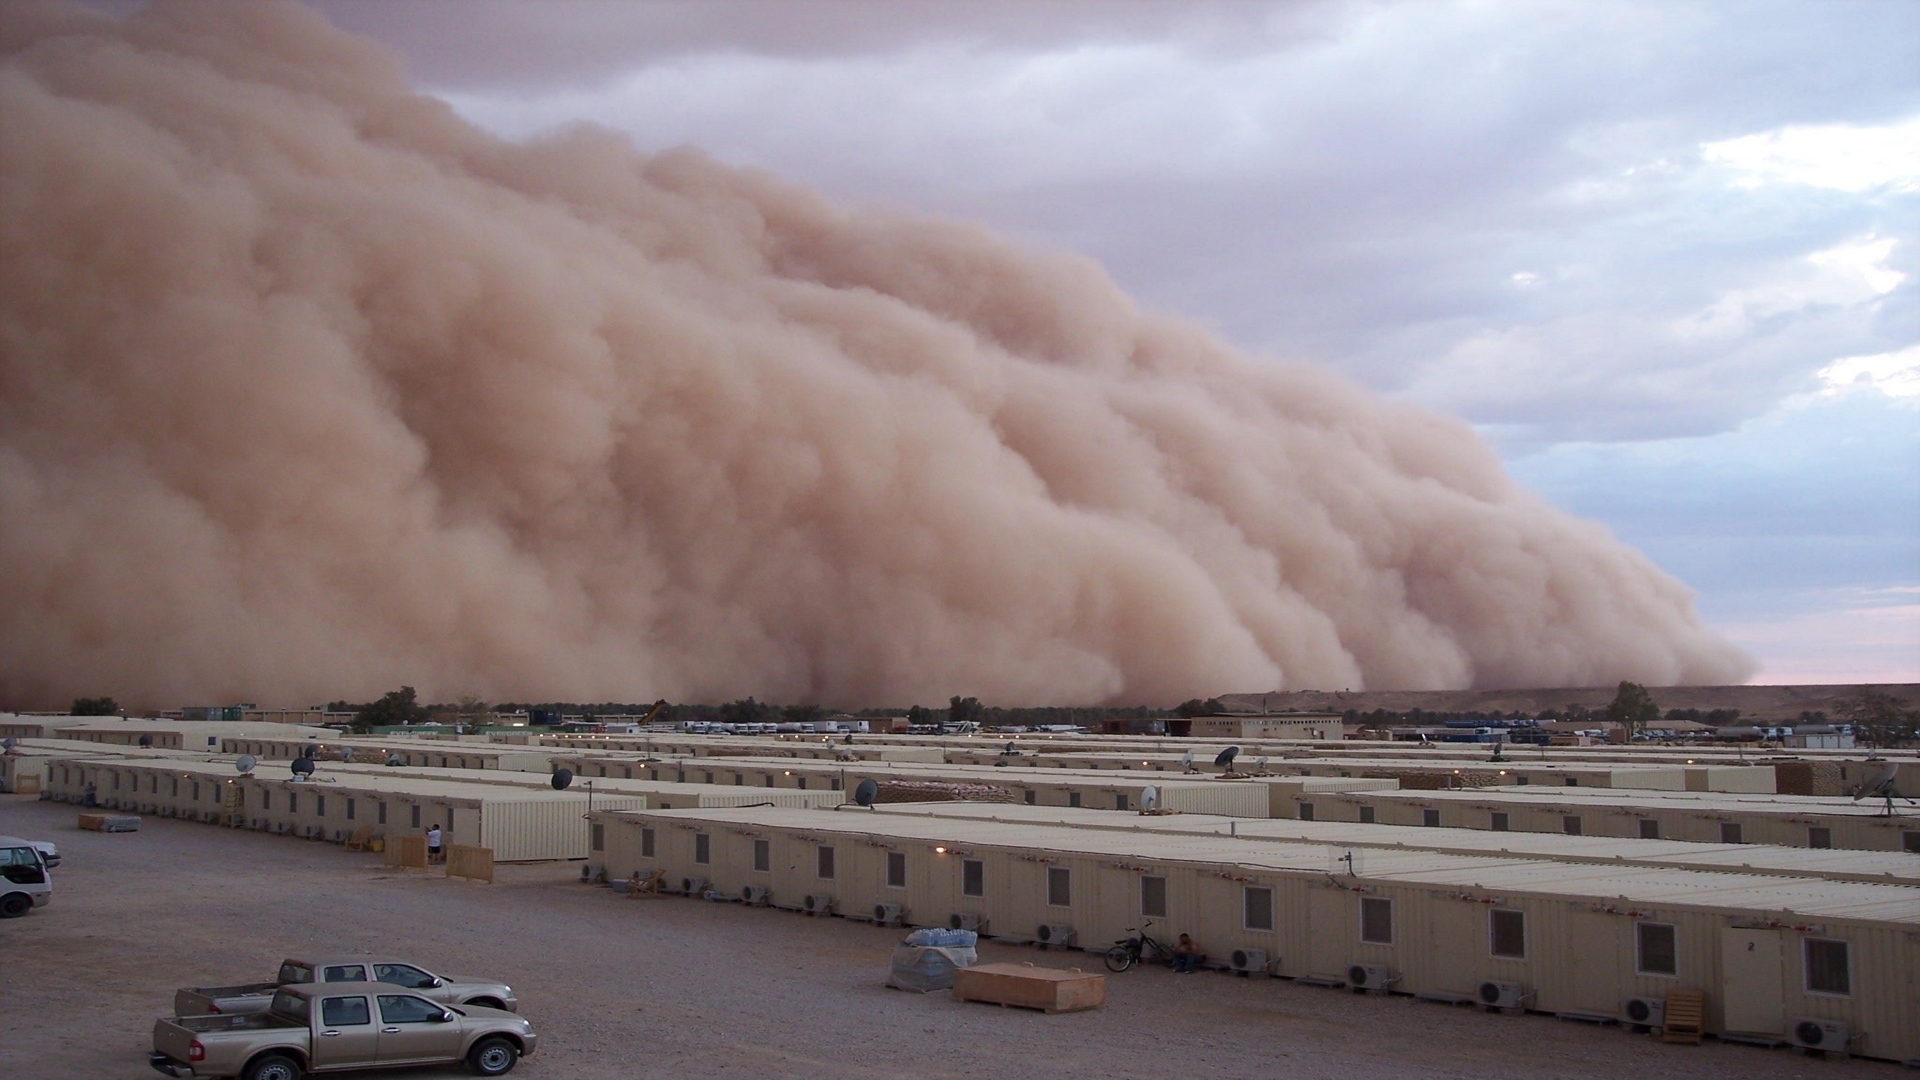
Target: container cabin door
(1329,941)
(1596,964)
(1750,981)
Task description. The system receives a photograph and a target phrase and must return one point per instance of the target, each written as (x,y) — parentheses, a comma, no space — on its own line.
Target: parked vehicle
(255,997)
(49,853)
(24,881)
(335,1027)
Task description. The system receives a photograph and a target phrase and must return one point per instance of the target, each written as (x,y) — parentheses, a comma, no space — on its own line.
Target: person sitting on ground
(1187,955)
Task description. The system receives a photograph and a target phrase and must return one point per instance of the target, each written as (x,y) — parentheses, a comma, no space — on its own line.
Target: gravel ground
(676,988)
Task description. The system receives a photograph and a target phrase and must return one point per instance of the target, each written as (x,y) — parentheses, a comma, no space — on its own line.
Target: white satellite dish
(1149,798)
(1261,765)
(245,763)
(1881,780)
(1186,760)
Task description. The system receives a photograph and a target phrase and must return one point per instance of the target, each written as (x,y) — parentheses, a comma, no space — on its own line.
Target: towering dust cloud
(311,388)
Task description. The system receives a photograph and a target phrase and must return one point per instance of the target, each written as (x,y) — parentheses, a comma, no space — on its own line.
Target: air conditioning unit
(961,920)
(1248,961)
(693,886)
(1369,977)
(887,914)
(816,904)
(1644,1012)
(755,895)
(1054,934)
(1501,995)
(1827,1035)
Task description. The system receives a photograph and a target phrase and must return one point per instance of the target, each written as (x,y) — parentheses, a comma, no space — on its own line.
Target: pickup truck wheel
(275,1067)
(493,1057)
(14,905)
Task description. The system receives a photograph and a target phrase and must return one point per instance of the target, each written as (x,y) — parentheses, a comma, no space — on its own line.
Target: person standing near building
(433,843)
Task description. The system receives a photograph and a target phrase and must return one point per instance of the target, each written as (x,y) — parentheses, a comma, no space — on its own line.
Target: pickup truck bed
(202,1000)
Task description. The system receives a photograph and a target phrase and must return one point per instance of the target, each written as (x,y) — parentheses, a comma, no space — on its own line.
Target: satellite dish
(561,778)
(1225,758)
(303,766)
(312,752)
(146,740)
(346,753)
(1009,748)
(1186,760)
(1881,784)
(395,760)
(1149,798)
(1261,764)
(9,743)
(245,763)
(844,754)
(866,792)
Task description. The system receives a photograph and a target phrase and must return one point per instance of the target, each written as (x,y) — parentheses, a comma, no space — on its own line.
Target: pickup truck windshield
(292,1005)
(292,974)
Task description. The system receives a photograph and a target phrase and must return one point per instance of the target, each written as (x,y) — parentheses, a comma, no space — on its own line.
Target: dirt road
(628,989)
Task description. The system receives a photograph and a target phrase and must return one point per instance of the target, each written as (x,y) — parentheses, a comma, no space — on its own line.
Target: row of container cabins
(1593,807)
(471,803)
(1773,954)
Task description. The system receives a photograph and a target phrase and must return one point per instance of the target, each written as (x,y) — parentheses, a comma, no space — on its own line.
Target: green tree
(1878,718)
(1633,708)
(95,706)
(398,707)
(1195,707)
(802,714)
(963,710)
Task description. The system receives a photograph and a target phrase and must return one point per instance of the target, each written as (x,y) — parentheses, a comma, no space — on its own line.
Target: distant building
(1307,726)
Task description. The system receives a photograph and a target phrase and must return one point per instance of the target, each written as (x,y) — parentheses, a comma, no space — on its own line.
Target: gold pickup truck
(254,997)
(338,1027)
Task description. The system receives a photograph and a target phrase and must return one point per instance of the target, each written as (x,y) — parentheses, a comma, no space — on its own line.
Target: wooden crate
(1029,987)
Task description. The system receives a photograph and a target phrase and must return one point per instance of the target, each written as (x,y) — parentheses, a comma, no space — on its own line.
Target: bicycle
(1142,946)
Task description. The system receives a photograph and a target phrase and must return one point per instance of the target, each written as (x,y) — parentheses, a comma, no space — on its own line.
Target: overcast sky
(1662,255)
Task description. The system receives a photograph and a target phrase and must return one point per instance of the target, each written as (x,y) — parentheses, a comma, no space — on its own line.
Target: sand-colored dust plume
(309,388)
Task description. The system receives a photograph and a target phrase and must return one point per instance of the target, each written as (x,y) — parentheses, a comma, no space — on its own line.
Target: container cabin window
(702,848)
(1657,949)
(598,836)
(320,805)
(824,863)
(1730,832)
(416,815)
(1507,931)
(1430,818)
(350,809)
(763,855)
(1306,811)
(1031,796)
(646,843)
(1120,801)
(769,779)
(973,877)
(266,800)
(1073,798)
(1153,897)
(1256,903)
(1376,920)
(1819,837)
(1573,781)
(709,776)
(1500,822)
(1829,970)
(380,812)
(293,802)
(1911,840)
(1366,815)
(1649,829)
(1570,824)
(739,779)
(896,869)
(1059,887)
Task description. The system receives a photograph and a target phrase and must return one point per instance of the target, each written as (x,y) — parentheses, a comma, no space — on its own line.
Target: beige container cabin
(424,753)
(519,825)
(1577,940)
(195,789)
(1703,817)
(1887,867)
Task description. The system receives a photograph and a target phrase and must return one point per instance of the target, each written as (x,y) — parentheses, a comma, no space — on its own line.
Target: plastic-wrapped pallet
(943,938)
(925,968)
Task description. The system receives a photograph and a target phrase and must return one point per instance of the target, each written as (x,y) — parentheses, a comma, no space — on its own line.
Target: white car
(24,881)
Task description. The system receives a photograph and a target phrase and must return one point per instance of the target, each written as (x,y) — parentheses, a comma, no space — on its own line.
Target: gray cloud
(308,387)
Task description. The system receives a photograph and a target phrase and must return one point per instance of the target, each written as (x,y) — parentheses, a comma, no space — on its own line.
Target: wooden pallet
(1686,1012)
